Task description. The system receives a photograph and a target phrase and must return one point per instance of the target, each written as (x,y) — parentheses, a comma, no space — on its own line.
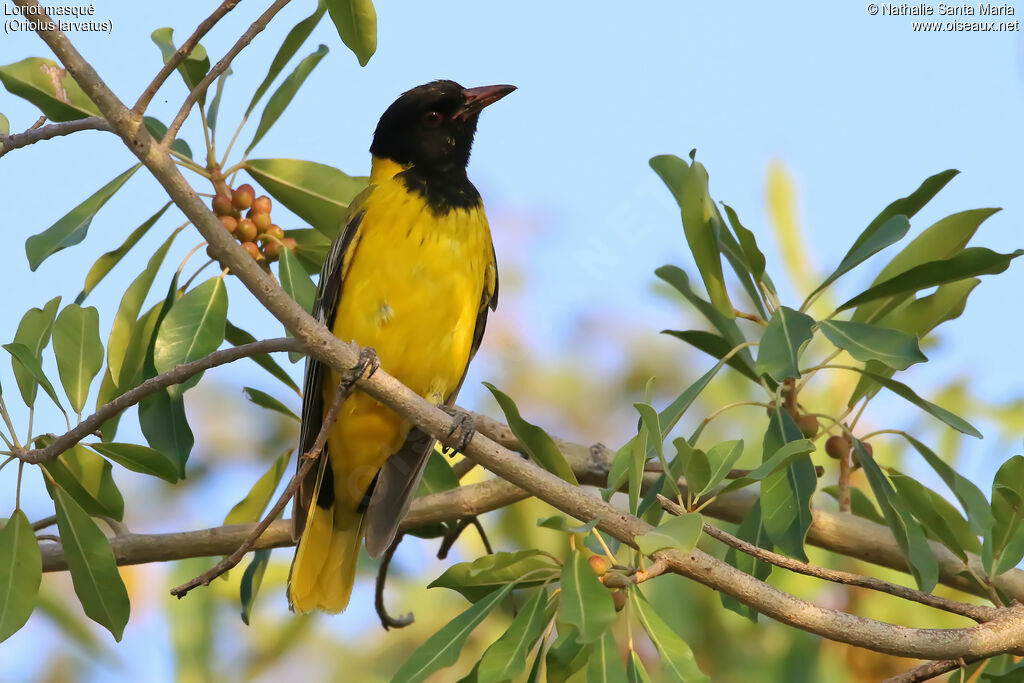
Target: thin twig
(39,133)
(930,670)
(308,459)
(979,613)
(219,68)
(181,54)
(152,385)
(386,620)
(44,522)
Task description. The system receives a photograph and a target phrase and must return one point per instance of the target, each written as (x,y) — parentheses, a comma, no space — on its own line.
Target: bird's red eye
(432,119)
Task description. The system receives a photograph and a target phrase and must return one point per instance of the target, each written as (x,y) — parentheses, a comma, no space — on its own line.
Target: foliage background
(809,118)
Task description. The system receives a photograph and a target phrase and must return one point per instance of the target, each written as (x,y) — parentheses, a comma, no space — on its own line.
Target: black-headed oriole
(411,275)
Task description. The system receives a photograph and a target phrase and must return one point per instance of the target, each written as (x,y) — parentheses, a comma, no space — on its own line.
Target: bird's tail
(324,567)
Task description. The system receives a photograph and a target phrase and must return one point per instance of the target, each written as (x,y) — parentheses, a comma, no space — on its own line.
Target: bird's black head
(431,127)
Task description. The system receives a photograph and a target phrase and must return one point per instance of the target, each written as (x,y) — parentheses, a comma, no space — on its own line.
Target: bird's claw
(462,429)
(368,364)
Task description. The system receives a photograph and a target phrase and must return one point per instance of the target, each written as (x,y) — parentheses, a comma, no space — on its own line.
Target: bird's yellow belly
(412,292)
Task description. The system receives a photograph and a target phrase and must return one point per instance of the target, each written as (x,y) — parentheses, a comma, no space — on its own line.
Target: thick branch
(176,375)
(49,131)
(219,68)
(181,54)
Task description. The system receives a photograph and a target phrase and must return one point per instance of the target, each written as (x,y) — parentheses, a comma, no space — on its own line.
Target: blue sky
(859,108)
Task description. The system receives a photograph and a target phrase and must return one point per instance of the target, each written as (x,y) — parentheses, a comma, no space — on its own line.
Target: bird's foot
(367,365)
(462,429)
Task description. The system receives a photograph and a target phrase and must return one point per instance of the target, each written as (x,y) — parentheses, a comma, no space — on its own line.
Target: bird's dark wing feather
(400,477)
(325,307)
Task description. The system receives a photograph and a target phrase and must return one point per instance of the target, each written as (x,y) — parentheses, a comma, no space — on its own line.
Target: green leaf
(356,21)
(876,237)
(566,655)
(677,533)
(936,515)
(311,248)
(250,508)
(786,492)
(47,85)
(5,126)
(585,603)
(192,329)
(903,391)
(34,332)
(87,478)
(734,254)
(292,42)
(104,264)
(538,445)
(481,577)
(649,422)
(694,465)
(193,68)
(21,571)
(784,456)
(125,332)
(605,661)
(236,336)
(79,351)
(316,193)
(751,253)
(72,228)
(91,561)
(717,347)
(165,425)
(677,659)
(140,459)
(441,650)
(860,504)
(721,458)
(701,223)
(282,97)
(970,262)
(252,579)
(784,340)
(214,110)
(506,658)
(560,523)
(942,240)
(726,326)
(1007,515)
(909,535)
(865,342)
(909,205)
(265,400)
(974,503)
(30,363)
(158,130)
(752,531)
(635,671)
(295,281)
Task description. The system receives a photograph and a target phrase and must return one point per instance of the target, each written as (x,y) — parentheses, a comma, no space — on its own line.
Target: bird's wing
(325,307)
(400,476)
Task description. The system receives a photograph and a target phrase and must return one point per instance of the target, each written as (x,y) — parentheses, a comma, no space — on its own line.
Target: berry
(243,196)
(261,204)
(290,243)
(598,564)
(275,231)
(619,599)
(253,250)
(869,448)
(222,205)
(837,446)
(230,223)
(262,221)
(272,250)
(246,230)
(808,425)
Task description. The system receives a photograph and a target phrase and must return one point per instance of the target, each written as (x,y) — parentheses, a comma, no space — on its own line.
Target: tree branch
(219,68)
(152,385)
(1002,634)
(979,613)
(181,54)
(36,134)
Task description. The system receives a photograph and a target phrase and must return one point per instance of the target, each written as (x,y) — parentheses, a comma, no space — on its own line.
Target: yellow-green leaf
(21,570)
(356,21)
(47,85)
(79,351)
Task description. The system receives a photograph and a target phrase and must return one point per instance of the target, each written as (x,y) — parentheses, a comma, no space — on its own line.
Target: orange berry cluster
(614,581)
(256,232)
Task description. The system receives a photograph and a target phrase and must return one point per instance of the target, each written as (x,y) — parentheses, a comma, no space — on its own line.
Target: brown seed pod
(619,599)
(222,205)
(230,223)
(837,446)
(246,230)
(243,196)
(808,425)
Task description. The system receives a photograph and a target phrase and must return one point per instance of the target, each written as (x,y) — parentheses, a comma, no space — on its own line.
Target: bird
(412,275)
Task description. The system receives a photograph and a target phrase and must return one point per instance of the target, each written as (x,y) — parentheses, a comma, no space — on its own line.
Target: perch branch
(39,133)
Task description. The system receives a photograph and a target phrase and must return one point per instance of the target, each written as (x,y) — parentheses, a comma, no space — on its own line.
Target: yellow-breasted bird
(411,275)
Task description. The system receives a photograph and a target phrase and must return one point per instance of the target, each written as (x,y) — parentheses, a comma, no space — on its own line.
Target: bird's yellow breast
(412,291)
